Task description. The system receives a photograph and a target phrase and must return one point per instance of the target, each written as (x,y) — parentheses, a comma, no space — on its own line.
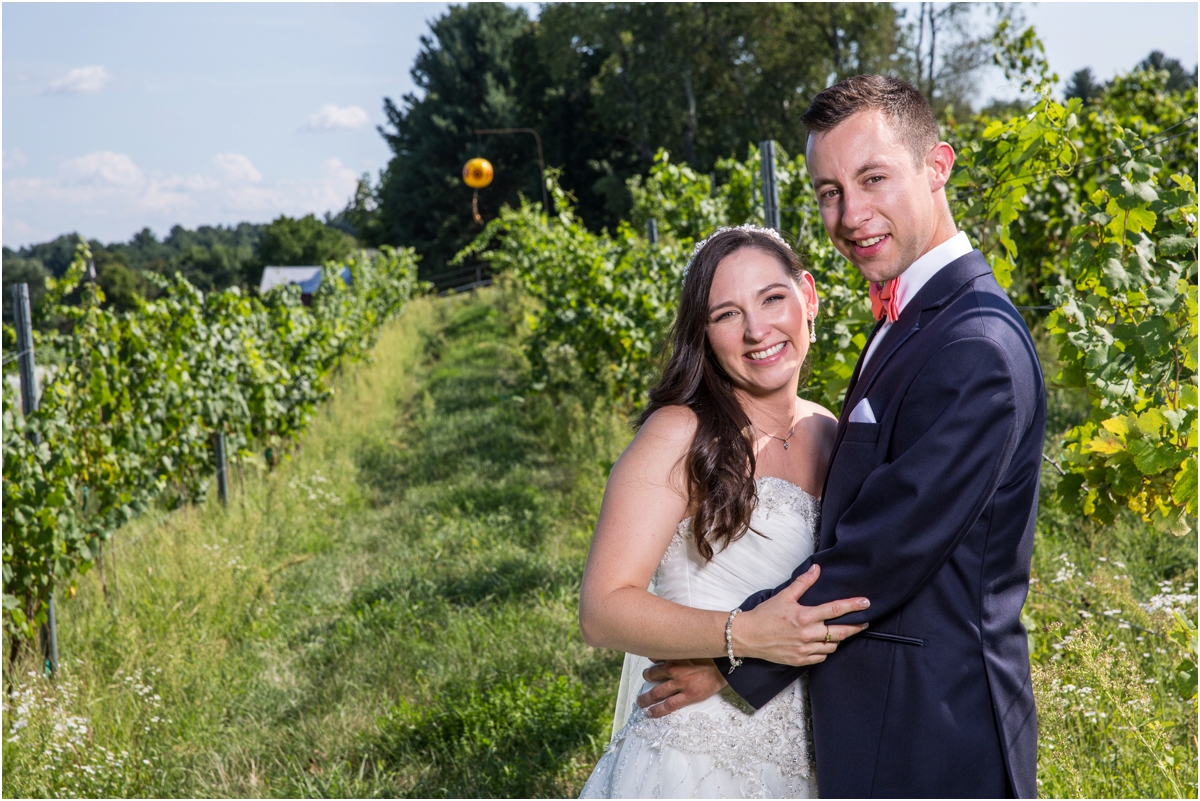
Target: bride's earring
(812,328)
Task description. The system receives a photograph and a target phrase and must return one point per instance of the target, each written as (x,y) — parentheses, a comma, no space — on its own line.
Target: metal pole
(652,230)
(541,160)
(30,399)
(222,472)
(766,151)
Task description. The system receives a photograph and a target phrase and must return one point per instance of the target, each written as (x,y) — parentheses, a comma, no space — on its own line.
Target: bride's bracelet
(733,661)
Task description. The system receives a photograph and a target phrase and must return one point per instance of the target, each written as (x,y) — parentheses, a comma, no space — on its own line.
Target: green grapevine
(134,398)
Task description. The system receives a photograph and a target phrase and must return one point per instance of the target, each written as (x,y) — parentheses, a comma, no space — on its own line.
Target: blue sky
(122,116)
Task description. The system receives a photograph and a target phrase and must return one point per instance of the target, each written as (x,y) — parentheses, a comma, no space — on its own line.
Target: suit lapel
(943,285)
(852,388)
(858,365)
(902,329)
(844,413)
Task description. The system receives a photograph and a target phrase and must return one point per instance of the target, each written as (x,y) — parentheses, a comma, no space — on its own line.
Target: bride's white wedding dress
(719,748)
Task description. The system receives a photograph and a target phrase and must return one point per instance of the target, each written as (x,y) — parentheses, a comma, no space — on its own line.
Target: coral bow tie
(883,300)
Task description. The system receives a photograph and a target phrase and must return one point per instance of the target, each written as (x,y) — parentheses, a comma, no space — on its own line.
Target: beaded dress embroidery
(717,748)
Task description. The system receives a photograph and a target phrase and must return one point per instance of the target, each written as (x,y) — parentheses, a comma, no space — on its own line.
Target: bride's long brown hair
(719,465)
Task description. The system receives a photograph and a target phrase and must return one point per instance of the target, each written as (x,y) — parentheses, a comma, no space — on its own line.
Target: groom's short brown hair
(906,107)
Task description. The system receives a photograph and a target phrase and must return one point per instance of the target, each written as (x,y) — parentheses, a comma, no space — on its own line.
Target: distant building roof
(307,278)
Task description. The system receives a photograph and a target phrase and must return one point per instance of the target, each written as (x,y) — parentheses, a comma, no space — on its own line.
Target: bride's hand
(781,630)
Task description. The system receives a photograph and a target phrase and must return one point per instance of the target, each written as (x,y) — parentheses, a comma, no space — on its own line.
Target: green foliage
(994,172)
(701,80)
(1040,198)
(18,270)
(54,257)
(606,86)
(1177,78)
(1183,634)
(1115,253)
(134,398)
(1083,86)
(144,252)
(43,534)
(304,241)
(465,70)
(605,302)
(209,257)
(1126,329)
(122,286)
(943,51)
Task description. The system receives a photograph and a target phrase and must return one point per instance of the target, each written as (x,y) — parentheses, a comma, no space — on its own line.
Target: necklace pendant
(785,446)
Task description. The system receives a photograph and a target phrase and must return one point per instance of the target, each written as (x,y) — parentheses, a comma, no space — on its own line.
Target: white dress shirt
(916,276)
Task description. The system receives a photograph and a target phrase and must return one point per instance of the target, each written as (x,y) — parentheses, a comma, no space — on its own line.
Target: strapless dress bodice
(782,534)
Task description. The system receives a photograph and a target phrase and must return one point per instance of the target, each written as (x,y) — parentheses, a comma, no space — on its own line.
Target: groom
(931,496)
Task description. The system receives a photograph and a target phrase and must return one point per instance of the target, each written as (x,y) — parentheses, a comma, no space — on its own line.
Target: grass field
(392,611)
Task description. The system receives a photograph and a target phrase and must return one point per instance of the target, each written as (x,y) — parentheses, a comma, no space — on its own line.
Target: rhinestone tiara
(747,227)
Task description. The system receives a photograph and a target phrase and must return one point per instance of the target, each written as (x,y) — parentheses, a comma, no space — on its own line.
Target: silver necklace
(784,440)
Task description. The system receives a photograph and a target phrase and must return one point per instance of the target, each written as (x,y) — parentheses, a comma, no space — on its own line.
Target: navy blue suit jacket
(929,513)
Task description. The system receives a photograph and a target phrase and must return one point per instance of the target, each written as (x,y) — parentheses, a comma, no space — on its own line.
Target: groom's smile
(870,246)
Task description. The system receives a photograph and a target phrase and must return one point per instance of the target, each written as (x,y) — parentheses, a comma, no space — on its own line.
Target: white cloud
(81,81)
(108,196)
(236,167)
(330,191)
(333,118)
(14,159)
(103,168)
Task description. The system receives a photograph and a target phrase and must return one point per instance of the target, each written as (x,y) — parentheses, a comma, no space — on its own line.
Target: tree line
(209,257)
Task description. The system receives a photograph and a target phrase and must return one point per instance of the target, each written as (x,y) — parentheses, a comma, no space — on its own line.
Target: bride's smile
(764,356)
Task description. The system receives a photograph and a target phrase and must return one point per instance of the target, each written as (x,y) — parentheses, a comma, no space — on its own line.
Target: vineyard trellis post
(30,397)
(222,469)
(766,151)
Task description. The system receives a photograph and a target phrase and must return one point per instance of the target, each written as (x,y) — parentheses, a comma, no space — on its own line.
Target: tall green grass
(1115,714)
(392,611)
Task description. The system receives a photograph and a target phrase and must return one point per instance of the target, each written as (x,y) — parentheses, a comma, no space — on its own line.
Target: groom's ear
(938,164)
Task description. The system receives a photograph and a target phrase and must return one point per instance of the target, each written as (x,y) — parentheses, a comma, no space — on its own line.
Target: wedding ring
(828,636)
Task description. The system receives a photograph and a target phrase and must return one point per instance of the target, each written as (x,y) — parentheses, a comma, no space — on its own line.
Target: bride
(714,500)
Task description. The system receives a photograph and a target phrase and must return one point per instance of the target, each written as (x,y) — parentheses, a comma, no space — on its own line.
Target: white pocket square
(862,413)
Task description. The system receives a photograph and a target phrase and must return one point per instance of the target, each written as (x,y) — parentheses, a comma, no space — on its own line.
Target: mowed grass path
(392,612)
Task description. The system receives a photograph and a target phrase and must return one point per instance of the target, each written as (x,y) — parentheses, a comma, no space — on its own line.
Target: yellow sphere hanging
(478,173)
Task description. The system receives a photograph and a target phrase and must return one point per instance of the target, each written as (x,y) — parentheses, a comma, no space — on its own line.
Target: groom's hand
(684,682)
